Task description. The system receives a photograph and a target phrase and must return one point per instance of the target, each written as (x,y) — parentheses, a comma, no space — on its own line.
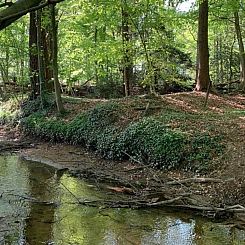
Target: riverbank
(38,208)
(211,182)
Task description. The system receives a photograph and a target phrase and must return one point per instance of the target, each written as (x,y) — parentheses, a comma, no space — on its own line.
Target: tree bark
(47,48)
(40,56)
(127,62)
(203,78)
(15,11)
(33,57)
(241,50)
(58,99)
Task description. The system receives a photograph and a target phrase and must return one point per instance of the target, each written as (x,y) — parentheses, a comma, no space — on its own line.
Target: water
(26,219)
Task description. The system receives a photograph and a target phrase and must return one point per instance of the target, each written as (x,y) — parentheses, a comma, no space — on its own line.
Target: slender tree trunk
(58,99)
(95,45)
(7,63)
(216,59)
(231,60)
(241,50)
(47,49)
(4,68)
(33,57)
(40,57)
(203,78)
(127,62)
(221,59)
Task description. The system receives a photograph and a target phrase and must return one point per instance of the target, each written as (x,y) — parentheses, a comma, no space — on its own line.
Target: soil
(149,185)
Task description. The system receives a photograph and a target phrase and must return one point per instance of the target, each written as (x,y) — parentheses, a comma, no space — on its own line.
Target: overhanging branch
(5,4)
(20,8)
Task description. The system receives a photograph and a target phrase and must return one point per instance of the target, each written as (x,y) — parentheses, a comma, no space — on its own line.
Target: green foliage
(46,103)
(161,44)
(87,128)
(151,142)
(84,129)
(14,53)
(9,111)
(103,115)
(148,140)
(104,88)
(92,44)
(7,117)
(201,150)
(38,125)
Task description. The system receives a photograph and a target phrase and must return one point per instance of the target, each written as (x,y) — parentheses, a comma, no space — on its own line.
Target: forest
(143,98)
(135,47)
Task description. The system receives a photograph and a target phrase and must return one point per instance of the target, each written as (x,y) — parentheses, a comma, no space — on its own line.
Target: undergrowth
(9,111)
(147,140)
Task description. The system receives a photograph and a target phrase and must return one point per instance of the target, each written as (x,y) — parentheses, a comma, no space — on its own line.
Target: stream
(38,206)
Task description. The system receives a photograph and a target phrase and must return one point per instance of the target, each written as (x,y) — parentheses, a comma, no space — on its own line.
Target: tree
(33,55)
(16,10)
(59,103)
(46,37)
(127,59)
(202,78)
(241,49)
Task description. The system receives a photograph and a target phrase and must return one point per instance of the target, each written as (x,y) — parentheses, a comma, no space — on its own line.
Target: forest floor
(218,194)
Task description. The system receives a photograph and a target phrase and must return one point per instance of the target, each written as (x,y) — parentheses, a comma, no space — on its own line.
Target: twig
(71,193)
(145,166)
(33,200)
(166,202)
(196,180)
(237,206)
(206,208)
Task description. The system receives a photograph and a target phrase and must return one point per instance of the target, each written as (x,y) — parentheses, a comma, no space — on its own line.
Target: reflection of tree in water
(78,224)
(39,225)
(13,185)
(211,233)
(86,225)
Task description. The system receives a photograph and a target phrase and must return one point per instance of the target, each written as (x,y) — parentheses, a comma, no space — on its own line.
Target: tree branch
(6,4)
(20,8)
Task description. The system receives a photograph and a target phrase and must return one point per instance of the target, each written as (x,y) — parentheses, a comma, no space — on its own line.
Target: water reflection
(25,219)
(42,187)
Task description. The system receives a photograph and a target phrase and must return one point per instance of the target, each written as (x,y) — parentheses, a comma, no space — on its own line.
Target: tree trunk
(221,72)
(203,78)
(47,49)
(33,57)
(58,99)
(40,56)
(231,60)
(127,62)
(241,50)
(95,44)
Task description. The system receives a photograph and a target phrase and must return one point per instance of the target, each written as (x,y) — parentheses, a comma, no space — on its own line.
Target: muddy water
(37,207)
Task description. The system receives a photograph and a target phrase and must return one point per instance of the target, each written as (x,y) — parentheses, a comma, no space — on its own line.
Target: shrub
(9,112)
(104,89)
(45,104)
(202,148)
(149,140)
(152,142)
